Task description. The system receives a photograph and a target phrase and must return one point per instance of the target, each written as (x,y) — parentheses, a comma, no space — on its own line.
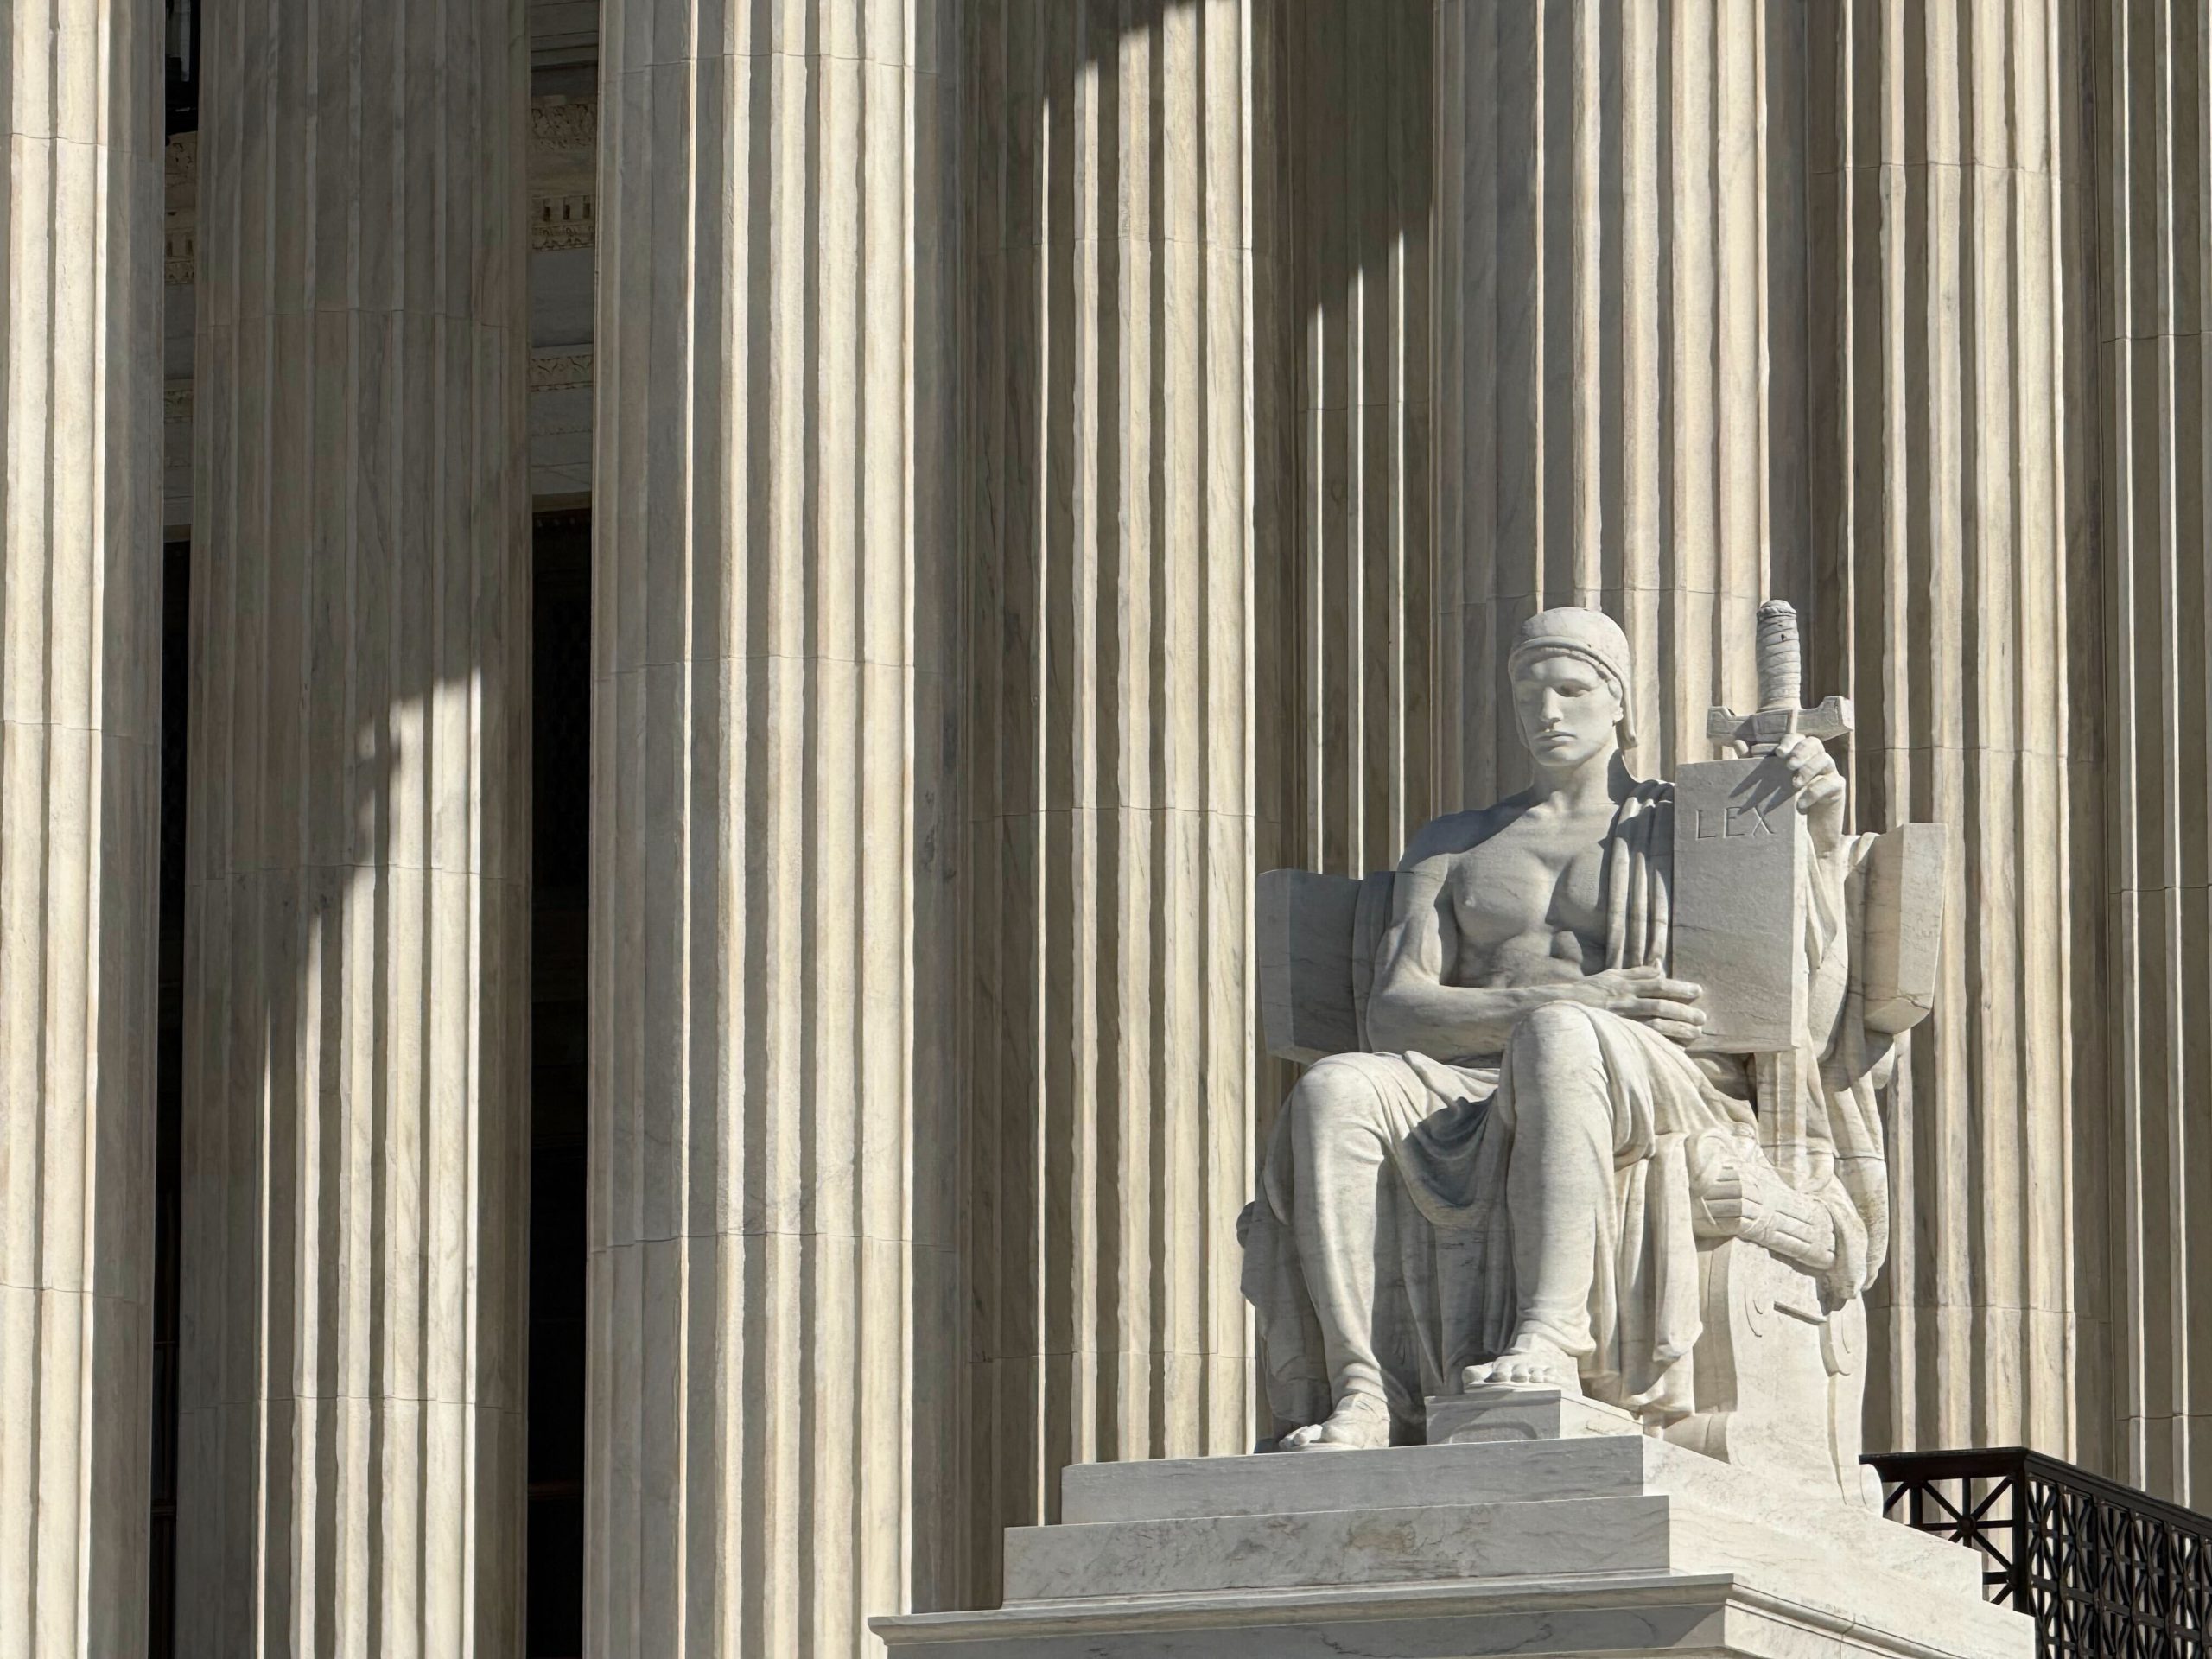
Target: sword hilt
(1781,673)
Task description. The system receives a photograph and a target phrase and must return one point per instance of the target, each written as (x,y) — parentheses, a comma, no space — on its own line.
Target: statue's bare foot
(1531,1359)
(1360,1423)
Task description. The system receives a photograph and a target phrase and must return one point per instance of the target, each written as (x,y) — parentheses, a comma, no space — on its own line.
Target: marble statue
(1598,1111)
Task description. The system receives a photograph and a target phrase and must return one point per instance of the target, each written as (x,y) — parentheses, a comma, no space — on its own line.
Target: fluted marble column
(2152,180)
(1946,517)
(1131,464)
(355,1134)
(1621,317)
(775,1321)
(80,592)
(1347,600)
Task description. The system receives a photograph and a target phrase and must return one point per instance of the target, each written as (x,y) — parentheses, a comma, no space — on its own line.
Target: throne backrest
(1318,937)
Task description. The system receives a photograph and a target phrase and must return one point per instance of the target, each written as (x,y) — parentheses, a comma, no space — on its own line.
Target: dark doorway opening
(169,1096)
(561,863)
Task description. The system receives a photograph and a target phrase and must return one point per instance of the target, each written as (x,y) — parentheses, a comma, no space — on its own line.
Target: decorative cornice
(180,162)
(181,210)
(559,223)
(561,123)
(563,172)
(564,369)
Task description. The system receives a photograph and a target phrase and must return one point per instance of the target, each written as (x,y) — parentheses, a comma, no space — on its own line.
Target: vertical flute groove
(355,1142)
(80,727)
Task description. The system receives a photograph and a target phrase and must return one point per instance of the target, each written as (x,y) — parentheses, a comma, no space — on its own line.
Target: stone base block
(1516,1411)
(1606,1543)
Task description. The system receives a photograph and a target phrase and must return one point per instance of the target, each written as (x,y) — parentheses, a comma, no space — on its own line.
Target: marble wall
(1059,457)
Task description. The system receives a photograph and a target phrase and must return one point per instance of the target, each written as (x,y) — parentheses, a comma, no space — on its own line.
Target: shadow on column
(561,734)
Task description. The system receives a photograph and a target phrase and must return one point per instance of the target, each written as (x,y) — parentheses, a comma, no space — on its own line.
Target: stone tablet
(1741,853)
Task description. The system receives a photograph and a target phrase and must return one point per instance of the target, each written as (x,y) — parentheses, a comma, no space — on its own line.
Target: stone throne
(1779,1356)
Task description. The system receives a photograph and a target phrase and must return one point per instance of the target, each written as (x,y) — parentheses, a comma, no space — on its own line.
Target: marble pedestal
(1601,1543)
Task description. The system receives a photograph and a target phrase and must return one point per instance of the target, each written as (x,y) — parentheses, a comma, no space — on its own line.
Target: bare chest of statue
(1529,900)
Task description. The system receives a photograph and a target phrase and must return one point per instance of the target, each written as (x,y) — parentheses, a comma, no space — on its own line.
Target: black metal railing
(2105,1571)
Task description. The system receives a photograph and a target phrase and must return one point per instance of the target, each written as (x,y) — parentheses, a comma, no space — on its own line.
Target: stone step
(1761,1518)
(1601,1616)
(1335,1547)
(1286,1483)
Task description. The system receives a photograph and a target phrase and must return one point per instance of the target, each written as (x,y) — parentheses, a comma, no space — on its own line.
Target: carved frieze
(181,210)
(563,172)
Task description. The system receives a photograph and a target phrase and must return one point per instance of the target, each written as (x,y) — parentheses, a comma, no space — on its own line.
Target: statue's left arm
(1820,796)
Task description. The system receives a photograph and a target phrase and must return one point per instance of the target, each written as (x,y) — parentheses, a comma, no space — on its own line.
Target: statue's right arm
(1412,1007)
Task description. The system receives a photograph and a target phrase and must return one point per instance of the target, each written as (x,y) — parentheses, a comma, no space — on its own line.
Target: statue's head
(1569,674)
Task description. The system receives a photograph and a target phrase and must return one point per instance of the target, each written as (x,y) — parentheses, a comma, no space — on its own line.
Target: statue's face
(1568,711)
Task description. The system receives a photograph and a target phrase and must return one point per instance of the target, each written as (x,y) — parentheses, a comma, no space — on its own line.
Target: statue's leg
(1559,1193)
(1340,1132)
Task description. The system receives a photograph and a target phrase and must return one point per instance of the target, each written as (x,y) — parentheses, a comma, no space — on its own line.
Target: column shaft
(355,1149)
(1347,602)
(774,1323)
(1621,340)
(1129,467)
(80,587)
(2153,173)
(1943,532)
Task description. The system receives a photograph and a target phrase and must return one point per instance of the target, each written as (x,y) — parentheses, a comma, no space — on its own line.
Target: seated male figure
(1508,1189)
